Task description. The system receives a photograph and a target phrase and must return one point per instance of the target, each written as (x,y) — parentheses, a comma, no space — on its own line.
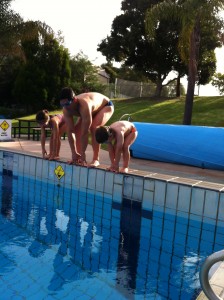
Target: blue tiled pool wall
(175,223)
(154,194)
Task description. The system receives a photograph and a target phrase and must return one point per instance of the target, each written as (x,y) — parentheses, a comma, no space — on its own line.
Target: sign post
(5,130)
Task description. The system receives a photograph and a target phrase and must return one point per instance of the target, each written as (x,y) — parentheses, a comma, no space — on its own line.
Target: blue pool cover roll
(199,146)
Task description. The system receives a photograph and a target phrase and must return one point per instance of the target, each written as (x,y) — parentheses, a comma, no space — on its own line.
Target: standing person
(119,136)
(57,124)
(92,109)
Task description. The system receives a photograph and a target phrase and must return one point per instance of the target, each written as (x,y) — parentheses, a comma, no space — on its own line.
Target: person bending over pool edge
(57,124)
(92,109)
(119,136)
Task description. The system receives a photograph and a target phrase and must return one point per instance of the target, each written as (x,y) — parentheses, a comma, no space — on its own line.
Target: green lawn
(207,111)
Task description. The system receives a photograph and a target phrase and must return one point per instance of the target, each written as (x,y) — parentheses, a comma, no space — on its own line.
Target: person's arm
(71,138)
(119,142)
(111,151)
(42,141)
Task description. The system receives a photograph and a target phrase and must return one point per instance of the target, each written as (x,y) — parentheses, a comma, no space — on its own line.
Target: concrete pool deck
(136,165)
(140,167)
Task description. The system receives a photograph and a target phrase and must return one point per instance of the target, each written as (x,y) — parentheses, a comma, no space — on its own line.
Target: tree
(192,16)
(8,22)
(218,82)
(29,87)
(45,70)
(128,44)
(84,75)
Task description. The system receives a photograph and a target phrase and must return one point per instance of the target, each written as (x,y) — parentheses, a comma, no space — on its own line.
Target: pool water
(59,243)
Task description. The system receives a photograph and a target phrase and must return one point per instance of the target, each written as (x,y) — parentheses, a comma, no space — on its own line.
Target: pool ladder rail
(129,118)
(204,274)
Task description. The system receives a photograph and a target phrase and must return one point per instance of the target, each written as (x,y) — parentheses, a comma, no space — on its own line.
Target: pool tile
(117,193)
(76,176)
(33,162)
(147,202)
(100,177)
(137,189)
(208,236)
(109,182)
(118,178)
(83,177)
(184,198)
(92,178)
(160,193)
(149,184)
(128,187)
(221,208)
(45,169)
(211,204)
(171,195)
(107,198)
(21,164)
(197,201)
(63,174)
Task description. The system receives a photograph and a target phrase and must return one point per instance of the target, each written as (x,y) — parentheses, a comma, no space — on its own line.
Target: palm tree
(192,15)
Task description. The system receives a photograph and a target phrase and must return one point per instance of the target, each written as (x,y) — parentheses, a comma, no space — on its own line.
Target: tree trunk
(178,87)
(192,72)
(159,87)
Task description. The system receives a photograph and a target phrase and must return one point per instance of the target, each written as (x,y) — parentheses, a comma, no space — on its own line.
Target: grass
(207,111)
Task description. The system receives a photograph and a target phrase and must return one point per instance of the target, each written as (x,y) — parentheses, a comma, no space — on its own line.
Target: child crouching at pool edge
(58,127)
(119,136)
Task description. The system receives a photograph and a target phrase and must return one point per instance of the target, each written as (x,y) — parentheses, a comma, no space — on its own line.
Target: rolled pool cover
(199,146)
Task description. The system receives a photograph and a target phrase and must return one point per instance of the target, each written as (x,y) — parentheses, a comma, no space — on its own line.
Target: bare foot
(124,170)
(54,158)
(94,164)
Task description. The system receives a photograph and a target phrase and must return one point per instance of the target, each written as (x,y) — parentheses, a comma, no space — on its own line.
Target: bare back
(122,128)
(95,101)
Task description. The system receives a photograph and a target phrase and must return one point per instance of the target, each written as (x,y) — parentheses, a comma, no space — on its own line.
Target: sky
(84,24)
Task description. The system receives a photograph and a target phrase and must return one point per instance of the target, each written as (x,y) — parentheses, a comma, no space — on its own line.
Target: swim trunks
(109,103)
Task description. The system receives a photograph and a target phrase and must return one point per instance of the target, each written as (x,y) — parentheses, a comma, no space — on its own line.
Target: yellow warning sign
(4,125)
(59,172)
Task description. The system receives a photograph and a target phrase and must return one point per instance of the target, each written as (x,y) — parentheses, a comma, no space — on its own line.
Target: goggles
(67,103)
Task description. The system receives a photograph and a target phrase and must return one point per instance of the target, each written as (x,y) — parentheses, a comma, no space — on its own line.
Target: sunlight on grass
(207,111)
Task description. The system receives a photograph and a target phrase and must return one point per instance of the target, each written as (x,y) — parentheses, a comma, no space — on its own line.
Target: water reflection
(81,243)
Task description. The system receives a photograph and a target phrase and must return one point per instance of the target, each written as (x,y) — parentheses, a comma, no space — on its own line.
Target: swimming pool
(59,242)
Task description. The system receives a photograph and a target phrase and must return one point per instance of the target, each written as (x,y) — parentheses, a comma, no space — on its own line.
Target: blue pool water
(58,243)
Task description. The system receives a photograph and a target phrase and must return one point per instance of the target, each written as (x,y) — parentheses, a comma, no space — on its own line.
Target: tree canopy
(129,41)
(128,44)
(45,71)
(197,19)
(84,74)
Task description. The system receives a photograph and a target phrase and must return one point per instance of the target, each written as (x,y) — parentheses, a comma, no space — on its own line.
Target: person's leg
(100,119)
(62,130)
(128,141)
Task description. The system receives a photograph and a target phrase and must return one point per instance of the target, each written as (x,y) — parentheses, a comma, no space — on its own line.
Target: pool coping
(216,282)
(171,175)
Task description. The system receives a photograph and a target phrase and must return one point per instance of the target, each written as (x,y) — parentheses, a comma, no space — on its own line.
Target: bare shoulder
(122,124)
(95,96)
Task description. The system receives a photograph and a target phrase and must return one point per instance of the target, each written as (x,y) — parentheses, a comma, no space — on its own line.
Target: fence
(126,88)
(130,89)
